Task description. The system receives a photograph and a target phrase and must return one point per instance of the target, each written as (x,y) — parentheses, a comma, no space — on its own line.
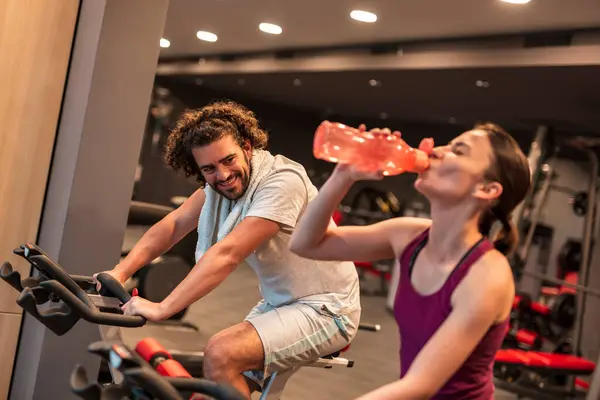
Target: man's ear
(246,146)
(488,191)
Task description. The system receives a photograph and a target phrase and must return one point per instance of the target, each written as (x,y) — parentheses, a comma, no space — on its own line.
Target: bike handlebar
(112,288)
(68,292)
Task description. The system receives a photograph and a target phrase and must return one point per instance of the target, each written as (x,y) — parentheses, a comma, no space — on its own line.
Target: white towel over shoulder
(220,215)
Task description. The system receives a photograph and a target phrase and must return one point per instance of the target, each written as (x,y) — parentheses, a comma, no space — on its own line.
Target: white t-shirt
(284,277)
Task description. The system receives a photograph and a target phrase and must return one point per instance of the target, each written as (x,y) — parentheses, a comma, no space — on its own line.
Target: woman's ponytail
(507,239)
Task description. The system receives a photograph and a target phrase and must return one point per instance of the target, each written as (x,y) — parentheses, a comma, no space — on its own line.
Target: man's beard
(243,176)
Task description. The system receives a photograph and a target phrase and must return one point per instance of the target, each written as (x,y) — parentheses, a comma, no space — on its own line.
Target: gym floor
(374,353)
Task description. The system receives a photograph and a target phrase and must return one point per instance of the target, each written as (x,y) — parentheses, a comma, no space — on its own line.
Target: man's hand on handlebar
(145,308)
(136,305)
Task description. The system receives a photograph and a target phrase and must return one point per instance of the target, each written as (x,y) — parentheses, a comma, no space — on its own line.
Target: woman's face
(457,170)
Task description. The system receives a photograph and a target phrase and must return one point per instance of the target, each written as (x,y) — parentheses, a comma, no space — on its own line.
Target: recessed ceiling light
(363,16)
(516,1)
(383,115)
(374,82)
(270,28)
(482,84)
(297,82)
(241,81)
(164,43)
(199,81)
(206,36)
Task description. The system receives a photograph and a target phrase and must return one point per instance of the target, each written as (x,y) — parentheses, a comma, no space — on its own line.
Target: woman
(456,286)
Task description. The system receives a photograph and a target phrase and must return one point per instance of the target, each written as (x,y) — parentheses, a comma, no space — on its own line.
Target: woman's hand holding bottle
(369,168)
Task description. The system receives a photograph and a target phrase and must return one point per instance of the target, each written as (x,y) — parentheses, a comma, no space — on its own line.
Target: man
(247,211)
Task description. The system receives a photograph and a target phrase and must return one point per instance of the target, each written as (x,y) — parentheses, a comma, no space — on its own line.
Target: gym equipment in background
(555,375)
(587,241)
(541,375)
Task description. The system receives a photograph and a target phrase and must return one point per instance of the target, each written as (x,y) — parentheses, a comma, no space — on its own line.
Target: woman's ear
(488,191)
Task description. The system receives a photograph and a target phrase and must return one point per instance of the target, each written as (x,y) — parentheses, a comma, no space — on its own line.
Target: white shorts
(297,334)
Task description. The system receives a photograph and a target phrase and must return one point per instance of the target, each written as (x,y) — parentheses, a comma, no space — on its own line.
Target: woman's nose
(440,151)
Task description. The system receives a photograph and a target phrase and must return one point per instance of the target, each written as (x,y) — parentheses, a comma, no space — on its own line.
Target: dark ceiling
(566,98)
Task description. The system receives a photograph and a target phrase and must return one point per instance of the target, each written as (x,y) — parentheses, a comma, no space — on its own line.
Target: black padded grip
(112,288)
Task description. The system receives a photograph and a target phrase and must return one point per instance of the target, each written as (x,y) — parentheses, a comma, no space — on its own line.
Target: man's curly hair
(201,127)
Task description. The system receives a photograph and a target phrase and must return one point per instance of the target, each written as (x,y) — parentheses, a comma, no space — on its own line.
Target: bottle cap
(421,161)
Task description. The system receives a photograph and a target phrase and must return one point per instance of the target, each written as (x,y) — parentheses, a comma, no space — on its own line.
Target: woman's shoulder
(492,269)
(490,278)
(403,230)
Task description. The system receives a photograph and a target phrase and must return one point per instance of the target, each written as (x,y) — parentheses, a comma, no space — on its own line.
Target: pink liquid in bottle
(339,143)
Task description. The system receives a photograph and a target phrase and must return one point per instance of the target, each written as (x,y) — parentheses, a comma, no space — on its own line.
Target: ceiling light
(164,43)
(241,81)
(270,28)
(206,36)
(383,115)
(482,84)
(297,82)
(363,16)
(374,82)
(516,1)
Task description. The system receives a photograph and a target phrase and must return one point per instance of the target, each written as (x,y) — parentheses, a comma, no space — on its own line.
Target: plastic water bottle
(339,143)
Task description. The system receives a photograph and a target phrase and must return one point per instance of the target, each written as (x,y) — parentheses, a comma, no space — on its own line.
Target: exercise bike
(59,300)
(168,380)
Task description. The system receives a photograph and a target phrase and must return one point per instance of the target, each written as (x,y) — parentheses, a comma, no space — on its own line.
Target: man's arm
(218,262)
(276,203)
(479,301)
(163,235)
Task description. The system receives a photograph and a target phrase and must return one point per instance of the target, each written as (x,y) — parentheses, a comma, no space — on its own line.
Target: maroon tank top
(474,379)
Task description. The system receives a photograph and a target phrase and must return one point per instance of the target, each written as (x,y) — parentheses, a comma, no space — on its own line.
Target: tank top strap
(410,252)
(470,258)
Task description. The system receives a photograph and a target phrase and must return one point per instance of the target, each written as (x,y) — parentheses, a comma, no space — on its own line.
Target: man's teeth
(228,182)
